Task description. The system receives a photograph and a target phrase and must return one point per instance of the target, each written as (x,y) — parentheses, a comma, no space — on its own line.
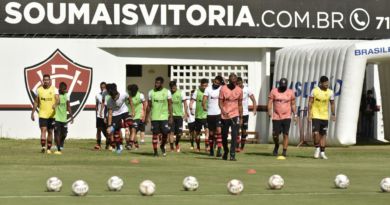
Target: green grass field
(24,171)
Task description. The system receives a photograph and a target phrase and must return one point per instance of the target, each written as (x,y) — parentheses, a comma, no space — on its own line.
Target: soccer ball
(147,188)
(190,183)
(235,186)
(80,188)
(341,181)
(275,182)
(385,184)
(53,184)
(114,183)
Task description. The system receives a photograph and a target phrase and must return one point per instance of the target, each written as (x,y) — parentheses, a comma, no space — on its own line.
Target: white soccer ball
(147,188)
(275,182)
(80,188)
(235,186)
(53,184)
(190,183)
(385,184)
(114,183)
(341,181)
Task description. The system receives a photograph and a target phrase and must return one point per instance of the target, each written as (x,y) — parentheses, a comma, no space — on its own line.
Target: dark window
(133,70)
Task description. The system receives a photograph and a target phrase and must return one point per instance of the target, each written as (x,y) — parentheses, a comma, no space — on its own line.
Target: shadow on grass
(209,158)
(150,154)
(267,154)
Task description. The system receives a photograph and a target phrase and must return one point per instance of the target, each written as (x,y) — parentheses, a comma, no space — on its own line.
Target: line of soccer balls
(190,183)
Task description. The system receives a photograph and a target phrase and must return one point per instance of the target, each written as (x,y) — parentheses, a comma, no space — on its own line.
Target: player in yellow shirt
(45,98)
(319,101)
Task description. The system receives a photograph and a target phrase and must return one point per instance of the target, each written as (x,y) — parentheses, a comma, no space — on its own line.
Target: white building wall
(108,58)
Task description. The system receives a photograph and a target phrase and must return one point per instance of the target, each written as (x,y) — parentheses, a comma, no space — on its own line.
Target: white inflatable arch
(344,63)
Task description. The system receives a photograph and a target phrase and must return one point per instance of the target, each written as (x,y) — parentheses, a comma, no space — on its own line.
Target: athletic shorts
(200,123)
(245,120)
(100,123)
(320,126)
(136,123)
(46,122)
(281,126)
(191,127)
(141,126)
(177,125)
(61,128)
(160,127)
(213,121)
(118,121)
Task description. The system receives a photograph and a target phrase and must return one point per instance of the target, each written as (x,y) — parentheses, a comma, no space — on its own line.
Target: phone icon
(356,18)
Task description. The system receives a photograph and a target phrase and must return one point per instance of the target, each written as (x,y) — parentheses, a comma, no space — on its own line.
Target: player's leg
(212,127)
(178,132)
(316,137)
(323,129)
(198,128)
(99,129)
(142,132)
(133,133)
(50,133)
(206,135)
(235,127)
(225,133)
(156,131)
(57,135)
(276,129)
(64,134)
(286,129)
(171,136)
(191,130)
(244,129)
(43,128)
(164,130)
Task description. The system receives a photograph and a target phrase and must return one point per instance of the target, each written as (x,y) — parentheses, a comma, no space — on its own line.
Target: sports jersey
(281,103)
(159,107)
(191,117)
(100,99)
(46,99)
(230,100)
(199,112)
(118,106)
(320,106)
(61,110)
(138,100)
(177,103)
(212,100)
(246,94)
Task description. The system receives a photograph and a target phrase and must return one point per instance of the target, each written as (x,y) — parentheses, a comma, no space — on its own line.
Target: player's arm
(144,107)
(35,105)
(254,104)
(102,105)
(148,108)
(269,105)
(192,101)
(69,111)
(186,114)
(131,105)
(310,115)
(56,101)
(221,102)
(294,109)
(204,102)
(240,110)
(170,109)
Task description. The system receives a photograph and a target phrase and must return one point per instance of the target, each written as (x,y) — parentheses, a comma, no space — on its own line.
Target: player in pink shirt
(230,103)
(282,100)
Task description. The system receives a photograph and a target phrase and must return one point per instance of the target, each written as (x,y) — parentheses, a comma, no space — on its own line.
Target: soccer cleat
(58,153)
(119,151)
(97,147)
(48,151)
(128,147)
(238,150)
(155,154)
(191,148)
(323,156)
(284,154)
(275,152)
(110,148)
(233,159)
(225,155)
(142,141)
(317,153)
(43,149)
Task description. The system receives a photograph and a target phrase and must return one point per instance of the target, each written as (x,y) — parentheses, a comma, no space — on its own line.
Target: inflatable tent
(345,64)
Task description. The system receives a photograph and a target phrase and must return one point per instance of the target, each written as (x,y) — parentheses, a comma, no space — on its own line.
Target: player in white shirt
(210,104)
(247,94)
(101,126)
(191,120)
(118,115)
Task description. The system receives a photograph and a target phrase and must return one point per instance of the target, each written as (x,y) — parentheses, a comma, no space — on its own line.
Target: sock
(211,144)
(63,140)
(192,141)
(197,142)
(316,146)
(178,137)
(322,149)
(118,142)
(131,142)
(49,144)
(164,140)
(43,142)
(206,142)
(171,146)
(243,141)
(219,140)
(99,141)
(155,142)
(284,151)
(136,144)
(238,142)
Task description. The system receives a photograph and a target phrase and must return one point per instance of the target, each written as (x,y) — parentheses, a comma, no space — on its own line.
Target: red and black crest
(78,78)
